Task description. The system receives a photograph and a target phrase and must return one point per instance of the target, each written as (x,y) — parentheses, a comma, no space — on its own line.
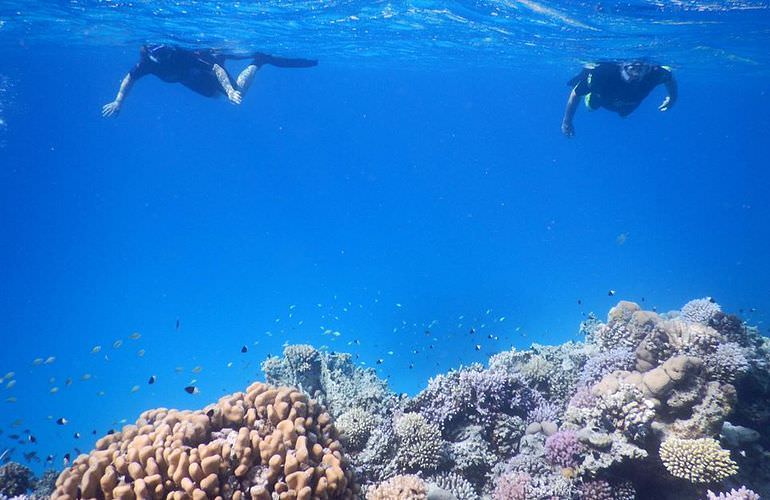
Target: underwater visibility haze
(394,269)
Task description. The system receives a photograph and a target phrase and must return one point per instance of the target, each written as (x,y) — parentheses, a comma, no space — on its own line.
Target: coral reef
(331,379)
(15,479)
(264,443)
(741,493)
(650,406)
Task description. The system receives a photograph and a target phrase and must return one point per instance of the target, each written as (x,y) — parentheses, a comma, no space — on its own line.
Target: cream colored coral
(404,487)
(265,443)
(697,460)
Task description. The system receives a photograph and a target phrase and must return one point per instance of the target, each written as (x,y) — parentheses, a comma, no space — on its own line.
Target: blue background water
(404,185)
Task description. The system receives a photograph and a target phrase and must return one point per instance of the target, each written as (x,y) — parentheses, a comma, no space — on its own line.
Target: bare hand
(235,97)
(666,105)
(111,109)
(567,129)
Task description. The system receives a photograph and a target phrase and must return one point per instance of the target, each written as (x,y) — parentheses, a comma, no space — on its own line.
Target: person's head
(634,71)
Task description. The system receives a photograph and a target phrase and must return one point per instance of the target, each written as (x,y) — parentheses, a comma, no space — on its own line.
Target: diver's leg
(224,80)
(243,82)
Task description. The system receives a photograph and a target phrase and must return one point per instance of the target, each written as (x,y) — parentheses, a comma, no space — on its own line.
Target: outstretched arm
(569,112)
(670,99)
(224,80)
(113,108)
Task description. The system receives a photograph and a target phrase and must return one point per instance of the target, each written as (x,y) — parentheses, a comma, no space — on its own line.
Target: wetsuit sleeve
(142,68)
(662,74)
(582,87)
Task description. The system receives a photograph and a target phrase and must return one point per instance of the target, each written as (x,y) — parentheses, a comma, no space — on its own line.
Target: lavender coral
(512,486)
(563,449)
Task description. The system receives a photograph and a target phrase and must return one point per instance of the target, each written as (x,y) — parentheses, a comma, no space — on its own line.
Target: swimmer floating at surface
(201,71)
(617,86)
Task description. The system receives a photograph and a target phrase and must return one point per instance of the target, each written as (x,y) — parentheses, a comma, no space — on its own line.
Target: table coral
(265,443)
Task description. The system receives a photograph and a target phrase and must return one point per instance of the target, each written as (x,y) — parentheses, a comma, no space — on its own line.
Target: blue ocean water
(411,200)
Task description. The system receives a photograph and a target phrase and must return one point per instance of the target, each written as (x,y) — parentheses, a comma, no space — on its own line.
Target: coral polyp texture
(264,443)
(697,460)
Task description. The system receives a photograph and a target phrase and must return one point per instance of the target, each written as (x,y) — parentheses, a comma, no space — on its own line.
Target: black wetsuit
(606,87)
(195,68)
(192,68)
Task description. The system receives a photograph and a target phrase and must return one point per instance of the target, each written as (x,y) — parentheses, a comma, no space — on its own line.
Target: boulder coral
(265,443)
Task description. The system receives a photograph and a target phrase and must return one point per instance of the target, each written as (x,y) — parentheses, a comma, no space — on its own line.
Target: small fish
(135,336)
(37,361)
(135,389)
(152,379)
(178,369)
(9,375)
(580,302)
(478,347)
(76,435)
(85,377)
(191,389)
(49,360)
(197,369)
(66,459)
(11,399)
(62,421)
(49,459)
(140,353)
(32,439)
(210,413)
(390,353)
(101,393)
(111,432)
(611,293)
(502,318)
(380,361)
(31,456)
(411,366)
(117,344)
(245,348)
(96,349)
(68,382)
(10,384)
(229,364)
(54,390)
(177,324)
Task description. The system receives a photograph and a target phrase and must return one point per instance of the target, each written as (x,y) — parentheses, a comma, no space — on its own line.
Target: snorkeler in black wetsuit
(202,71)
(617,87)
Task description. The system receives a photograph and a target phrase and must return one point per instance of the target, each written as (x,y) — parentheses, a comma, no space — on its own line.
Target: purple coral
(563,449)
(603,363)
(740,494)
(595,490)
(583,398)
(511,486)
(545,412)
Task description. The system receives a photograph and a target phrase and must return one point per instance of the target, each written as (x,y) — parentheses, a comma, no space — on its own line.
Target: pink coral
(563,449)
(511,486)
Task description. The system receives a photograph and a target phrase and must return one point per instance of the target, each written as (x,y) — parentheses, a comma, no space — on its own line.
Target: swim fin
(282,62)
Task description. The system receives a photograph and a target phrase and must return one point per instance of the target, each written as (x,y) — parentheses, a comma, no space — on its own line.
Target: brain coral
(697,460)
(266,443)
(405,487)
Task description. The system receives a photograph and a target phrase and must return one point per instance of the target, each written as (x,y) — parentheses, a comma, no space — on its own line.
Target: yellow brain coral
(697,460)
(262,444)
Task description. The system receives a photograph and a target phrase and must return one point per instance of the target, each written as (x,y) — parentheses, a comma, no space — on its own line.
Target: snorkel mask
(634,71)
